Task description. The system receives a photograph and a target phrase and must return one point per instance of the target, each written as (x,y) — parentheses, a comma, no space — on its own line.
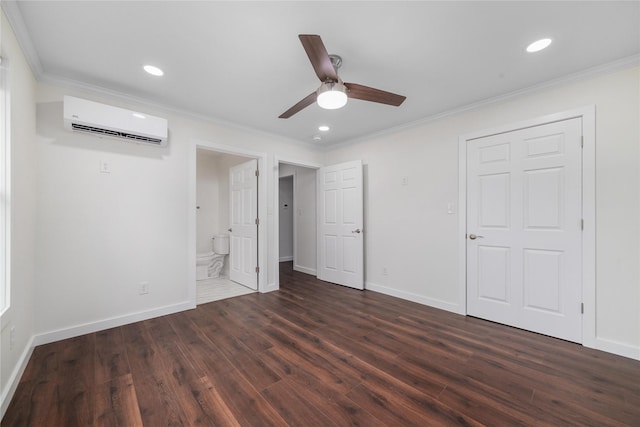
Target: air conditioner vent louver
(81,115)
(107,132)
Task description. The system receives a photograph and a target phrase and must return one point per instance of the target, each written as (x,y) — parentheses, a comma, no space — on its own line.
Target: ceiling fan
(333,92)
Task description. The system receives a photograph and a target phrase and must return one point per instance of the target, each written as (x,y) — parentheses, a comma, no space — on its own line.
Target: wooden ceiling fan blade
(308,100)
(319,57)
(366,93)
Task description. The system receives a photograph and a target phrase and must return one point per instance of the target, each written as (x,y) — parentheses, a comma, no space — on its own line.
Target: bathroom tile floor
(217,289)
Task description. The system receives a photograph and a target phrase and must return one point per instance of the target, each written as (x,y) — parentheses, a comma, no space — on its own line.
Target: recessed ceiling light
(154,71)
(139,116)
(323,128)
(317,138)
(538,45)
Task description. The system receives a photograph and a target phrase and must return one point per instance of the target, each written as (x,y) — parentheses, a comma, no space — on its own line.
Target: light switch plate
(105,167)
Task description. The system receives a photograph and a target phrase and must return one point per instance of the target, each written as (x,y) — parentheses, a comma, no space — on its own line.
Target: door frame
(588,272)
(196,144)
(275,208)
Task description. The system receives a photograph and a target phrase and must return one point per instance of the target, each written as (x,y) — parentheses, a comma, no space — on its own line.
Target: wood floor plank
(292,406)
(157,401)
(111,357)
(142,352)
(34,404)
(117,404)
(314,353)
(76,381)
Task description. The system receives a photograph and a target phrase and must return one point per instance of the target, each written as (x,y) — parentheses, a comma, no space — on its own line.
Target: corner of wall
(14,379)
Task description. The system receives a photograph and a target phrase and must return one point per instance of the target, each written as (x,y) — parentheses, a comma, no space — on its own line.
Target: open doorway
(227,168)
(297,217)
(214,254)
(286,214)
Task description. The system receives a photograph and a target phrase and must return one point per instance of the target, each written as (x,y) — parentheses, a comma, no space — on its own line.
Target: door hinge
(581,308)
(257,221)
(257,269)
(257,172)
(582,224)
(581,141)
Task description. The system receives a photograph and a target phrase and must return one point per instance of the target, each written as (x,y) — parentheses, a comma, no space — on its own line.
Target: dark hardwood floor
(319,354)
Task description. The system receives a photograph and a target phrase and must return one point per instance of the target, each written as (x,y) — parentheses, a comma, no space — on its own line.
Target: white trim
(14,378)
(14,16)
(618,65)
(263,260)
(6,209)
(286,258)
(420,299)
(112,322)
(305,270)
(618,348)
(589,320)
(587,114)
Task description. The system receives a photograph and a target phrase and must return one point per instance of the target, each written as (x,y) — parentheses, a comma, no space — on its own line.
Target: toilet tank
(221,244)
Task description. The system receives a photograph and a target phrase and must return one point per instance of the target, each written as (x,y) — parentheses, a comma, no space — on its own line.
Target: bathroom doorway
(214,254)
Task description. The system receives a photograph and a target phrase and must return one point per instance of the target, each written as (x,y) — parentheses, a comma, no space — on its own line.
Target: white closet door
(524,229)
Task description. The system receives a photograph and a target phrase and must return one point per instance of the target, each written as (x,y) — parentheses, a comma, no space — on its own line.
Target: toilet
(210,264)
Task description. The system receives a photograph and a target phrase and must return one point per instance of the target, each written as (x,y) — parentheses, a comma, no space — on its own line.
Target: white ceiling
(242,62)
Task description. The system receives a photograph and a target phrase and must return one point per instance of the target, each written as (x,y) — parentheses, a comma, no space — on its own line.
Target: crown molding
(608,68)
(14,16)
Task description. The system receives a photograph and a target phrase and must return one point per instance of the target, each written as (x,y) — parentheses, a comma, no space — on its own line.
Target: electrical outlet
(144,288)
(12,337)
(384,271)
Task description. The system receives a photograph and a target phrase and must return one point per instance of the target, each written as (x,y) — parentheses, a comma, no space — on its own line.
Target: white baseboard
(14,379)
(286,258)
(87,328)
(609,346)
(420,299)
(621,349)
(306,270)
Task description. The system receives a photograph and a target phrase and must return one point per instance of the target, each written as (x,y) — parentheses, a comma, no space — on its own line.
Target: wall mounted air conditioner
(103,120)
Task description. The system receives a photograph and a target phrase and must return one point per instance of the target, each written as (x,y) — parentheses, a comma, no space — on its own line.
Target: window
(5,189)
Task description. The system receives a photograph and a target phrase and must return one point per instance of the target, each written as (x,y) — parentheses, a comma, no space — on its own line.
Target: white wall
(100,235)
(304,196)
(207,199)
(285,216)
(410,233)
(212,195)
(20,315)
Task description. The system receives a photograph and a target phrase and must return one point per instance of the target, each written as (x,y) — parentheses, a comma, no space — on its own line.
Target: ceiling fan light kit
(332,95)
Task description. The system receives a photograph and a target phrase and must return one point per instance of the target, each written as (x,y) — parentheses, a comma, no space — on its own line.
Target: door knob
(474,237)
(357,230)
(229,230)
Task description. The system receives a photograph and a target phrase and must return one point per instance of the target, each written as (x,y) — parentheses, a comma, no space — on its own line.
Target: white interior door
(243,258)
(524,229)
(340,224)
